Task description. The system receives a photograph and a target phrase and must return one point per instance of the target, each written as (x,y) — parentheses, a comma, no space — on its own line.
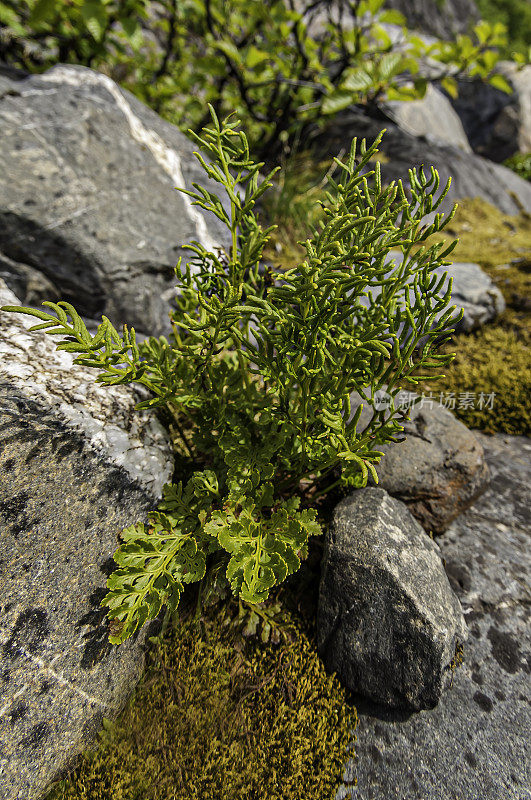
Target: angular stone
(78,464)
(475,743)
(438,470)
(388,621)
(88,197)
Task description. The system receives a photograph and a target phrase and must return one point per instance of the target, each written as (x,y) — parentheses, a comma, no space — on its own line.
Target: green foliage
(521,164)
(36,34)
(271,64)
(516,16)
(218,716)
(269,413)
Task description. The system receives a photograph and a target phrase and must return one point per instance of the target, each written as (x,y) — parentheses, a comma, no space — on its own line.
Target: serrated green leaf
(389,65)
(450,85)
(357,80)
(229,49)
(255,56)
(392,17)
(95,17)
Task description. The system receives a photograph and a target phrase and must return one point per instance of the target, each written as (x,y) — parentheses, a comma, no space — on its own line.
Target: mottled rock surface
(475,293)
(472,176)
(88,198)
(77,465)
(475,743)
(438,470)
(388,622)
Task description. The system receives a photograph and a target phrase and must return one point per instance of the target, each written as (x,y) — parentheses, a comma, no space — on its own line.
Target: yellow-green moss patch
(219,716)
(495,359)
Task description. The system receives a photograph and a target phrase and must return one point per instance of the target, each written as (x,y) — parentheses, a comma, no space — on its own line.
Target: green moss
(218,715)
(495,359)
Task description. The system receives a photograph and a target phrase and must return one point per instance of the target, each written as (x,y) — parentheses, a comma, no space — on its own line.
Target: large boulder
(472,176)
(439,469)
(88,198)
(78,464)
(475,743)
(388,622)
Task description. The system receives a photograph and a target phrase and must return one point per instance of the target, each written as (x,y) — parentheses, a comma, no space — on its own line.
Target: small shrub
(259,58)
(269,414)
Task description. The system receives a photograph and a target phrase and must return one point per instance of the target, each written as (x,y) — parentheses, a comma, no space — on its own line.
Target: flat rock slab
(88,198)
(475,743)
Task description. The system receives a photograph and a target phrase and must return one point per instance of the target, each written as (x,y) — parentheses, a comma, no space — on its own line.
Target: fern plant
(270,409)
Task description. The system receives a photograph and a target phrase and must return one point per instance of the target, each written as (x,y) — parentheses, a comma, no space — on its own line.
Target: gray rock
(497,124)
(475,743)
(388,623)
(432,117)
(520,79)
(27,282)
(439,20)
(443,20)
(472,176)
(78,464)
(473,291)
(88,198)
(438,470)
